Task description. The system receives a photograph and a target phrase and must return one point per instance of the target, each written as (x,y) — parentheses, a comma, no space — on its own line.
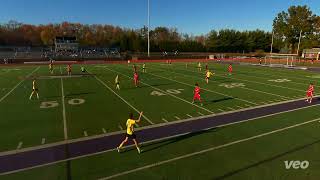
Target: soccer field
(86,106)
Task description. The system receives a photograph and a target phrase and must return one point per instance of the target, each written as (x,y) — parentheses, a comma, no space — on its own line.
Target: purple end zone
(52,154)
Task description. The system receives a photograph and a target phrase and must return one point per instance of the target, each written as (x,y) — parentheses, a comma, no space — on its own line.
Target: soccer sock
(37,95)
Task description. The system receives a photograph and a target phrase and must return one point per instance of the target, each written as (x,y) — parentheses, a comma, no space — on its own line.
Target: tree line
(287,26)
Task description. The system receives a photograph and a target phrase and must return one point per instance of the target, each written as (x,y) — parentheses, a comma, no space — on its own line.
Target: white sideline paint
(151,141)
(98,79)
(208,150)
(163,119)
(204,89)
(161,124)
(170,94)
(177,117)
(189,115)
(43,140)
(19,145)
(104,130)
(15,87)
(65,128)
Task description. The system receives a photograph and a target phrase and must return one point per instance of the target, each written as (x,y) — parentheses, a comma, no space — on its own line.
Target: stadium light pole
(299,43)
(271,42)
(148,28)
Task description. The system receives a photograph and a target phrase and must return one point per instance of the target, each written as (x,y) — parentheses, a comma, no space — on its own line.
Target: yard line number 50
(52,104)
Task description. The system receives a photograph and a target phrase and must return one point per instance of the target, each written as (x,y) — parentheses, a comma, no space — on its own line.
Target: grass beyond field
(86,106)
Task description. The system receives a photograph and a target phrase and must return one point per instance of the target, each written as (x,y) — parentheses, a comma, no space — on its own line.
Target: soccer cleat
(139,151)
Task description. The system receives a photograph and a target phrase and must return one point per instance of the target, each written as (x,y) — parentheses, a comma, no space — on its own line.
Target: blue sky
(189,16)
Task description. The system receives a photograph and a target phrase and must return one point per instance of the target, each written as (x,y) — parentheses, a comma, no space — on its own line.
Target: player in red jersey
(196,94)
(230,69)
(136,79)
(309,95)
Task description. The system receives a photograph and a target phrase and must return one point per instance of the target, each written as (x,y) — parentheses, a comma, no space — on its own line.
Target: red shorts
(309,94)
(196,97)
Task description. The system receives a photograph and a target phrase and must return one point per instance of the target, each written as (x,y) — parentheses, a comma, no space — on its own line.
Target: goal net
(281,59)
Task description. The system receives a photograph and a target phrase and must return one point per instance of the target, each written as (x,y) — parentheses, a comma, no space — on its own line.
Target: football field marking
(267,84)
(19,145)
(240,107)
(231,108)
(151,141)
(15,87)
(104,130)
(85,133)
(120,127)
(43,140)
(163,119)
(203,88)
(162,124)
(104,84)
(65,129)
(208,150)
(201,113)
(170,94)
(189,115)
(221,110)
(177,117)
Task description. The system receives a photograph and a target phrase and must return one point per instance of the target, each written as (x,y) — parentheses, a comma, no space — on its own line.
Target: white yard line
(254,82)
(177,117)
(201,113)
(104,84)
(15,87)
(163,124)
(189,115)
(221,110)
(208,150)
(43,140)
(104,130)
(240,107)
(163,119)
(120,132)
(231,108)
(65,129)
(204,89)
(170,94)
(85,133)
(19,145)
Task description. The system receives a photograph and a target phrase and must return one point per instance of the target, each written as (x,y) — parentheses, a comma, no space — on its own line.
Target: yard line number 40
(52,104)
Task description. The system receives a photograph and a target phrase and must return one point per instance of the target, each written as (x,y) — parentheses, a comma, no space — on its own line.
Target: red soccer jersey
(197,90)
(311,89)
(230,68)
(136,76)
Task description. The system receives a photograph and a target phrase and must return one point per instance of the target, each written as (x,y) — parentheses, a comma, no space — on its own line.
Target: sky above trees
(188,16)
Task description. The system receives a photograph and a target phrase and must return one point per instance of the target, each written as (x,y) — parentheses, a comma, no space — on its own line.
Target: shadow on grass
(159,144)
(267,160)
(219,100)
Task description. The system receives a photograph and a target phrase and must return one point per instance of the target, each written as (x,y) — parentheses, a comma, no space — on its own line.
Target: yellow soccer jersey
(130,124)
(209,74)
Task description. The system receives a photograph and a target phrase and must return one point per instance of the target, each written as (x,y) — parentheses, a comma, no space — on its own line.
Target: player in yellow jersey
(208,75)
(51,68)
(34,89)
(117,82)
(130,132)
(144,70)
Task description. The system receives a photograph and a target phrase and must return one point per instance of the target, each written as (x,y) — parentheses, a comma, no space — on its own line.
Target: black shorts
(35,89)
(118,83)
(132,136)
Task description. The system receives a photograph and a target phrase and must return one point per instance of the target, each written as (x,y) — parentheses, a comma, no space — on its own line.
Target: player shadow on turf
(218,100)
(299,148)
(159,144)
